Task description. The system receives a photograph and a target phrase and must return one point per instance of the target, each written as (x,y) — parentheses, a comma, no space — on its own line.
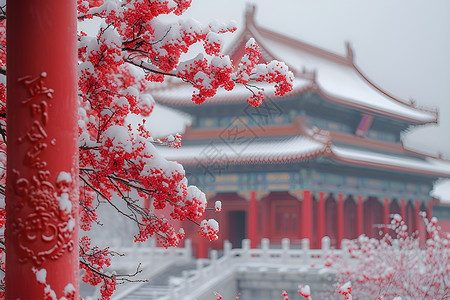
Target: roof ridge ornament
(350,53)
(328,151)
(250,14)
(308,74)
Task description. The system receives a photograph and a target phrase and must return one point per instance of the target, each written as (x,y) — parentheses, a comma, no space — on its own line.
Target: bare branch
(108,200)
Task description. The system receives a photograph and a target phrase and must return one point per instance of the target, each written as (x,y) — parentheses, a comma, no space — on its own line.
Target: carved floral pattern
(43,218)
(46,230)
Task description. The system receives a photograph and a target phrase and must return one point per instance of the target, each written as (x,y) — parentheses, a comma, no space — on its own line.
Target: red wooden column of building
(321,218)
(430,209)
(403,209)
(429,214)
(420,225)
(307,215)
(340,219)
(386,214)
(417,214)
(359,215)
(253,220)
(42,195)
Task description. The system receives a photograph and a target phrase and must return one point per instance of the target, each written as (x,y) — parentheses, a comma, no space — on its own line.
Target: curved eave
(349,103)
(257,160)
(261,34)
(393,108)
(270,150)
(410,105)
(386,166)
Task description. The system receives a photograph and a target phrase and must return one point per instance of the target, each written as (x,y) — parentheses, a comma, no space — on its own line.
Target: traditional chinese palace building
(325,160)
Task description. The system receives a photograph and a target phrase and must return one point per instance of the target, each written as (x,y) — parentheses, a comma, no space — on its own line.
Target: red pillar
(430,209)
(307,215)
(321,218)
(417,214)
(403,209)
(420,225)
(253,220)
(42,195)
(266,218)
(359,215)
(429,215)
(340,219)
(386,214)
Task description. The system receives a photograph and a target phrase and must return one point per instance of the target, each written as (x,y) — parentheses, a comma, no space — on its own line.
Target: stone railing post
(214,255)
(326,243)
(246,249)
(305,251)
(227,248)
(285,247)
(305,244)
(265,245)
(199,267)
(187,253)
(344,247)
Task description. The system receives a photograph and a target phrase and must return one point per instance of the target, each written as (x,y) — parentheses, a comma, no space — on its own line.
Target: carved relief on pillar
(44,216)
(43,219)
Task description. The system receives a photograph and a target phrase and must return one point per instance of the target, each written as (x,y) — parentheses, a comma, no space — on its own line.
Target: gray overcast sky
(402,45)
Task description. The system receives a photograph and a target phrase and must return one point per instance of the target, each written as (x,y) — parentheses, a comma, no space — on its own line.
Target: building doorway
(237,227)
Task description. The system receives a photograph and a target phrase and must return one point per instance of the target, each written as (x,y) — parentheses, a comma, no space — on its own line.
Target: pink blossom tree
(397,265)
(134,46)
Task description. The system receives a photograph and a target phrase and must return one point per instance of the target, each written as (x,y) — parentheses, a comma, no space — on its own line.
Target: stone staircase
(159,286)
(257,274)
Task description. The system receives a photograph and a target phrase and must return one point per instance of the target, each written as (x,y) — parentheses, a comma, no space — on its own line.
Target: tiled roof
(181,94)
(276,149)
(344,83)
(431,166)
(334,76)
(250,150)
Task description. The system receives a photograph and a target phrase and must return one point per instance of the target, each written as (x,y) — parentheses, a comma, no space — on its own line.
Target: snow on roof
(256,150)
(336,76)
(182,93)
(432,166)
(441,191)
(296,148)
